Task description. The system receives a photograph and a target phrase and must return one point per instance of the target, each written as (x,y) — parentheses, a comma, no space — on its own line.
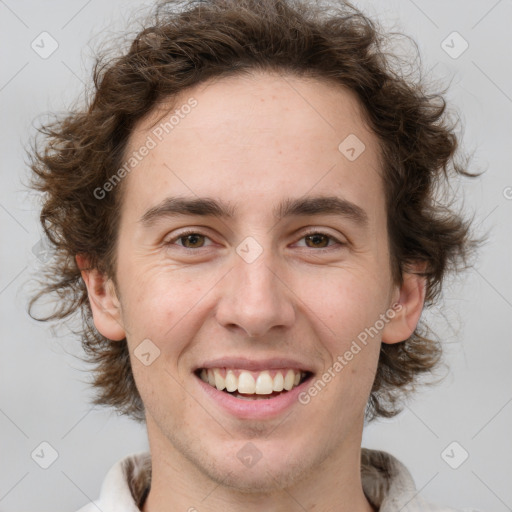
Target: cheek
(346,302)
(346,316)
(168,307)
(157,296)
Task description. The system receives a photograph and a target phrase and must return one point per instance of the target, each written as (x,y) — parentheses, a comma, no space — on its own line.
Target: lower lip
(259,409)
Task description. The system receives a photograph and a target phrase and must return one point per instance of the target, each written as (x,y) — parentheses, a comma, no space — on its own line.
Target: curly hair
(186,43)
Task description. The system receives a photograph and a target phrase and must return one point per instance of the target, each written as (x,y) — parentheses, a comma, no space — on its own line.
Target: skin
(253,141)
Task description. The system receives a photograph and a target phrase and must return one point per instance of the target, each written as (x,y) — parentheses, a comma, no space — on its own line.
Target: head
(251,184)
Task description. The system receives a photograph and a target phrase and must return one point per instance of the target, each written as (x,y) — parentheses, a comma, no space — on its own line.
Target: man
(245,215)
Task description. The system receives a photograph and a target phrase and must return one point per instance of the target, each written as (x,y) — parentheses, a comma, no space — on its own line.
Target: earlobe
(407,311)
(105,306)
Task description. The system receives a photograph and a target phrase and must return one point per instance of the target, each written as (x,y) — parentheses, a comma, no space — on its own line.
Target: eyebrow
(208,207)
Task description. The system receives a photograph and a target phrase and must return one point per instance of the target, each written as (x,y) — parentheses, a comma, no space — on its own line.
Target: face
(253,254)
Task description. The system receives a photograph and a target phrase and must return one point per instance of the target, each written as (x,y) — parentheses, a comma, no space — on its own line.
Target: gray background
(43,387)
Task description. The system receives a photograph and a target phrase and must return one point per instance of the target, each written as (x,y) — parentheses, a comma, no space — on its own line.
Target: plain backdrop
(44,397)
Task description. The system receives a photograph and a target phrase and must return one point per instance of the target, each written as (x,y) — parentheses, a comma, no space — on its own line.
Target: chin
(274,471)
(265,479)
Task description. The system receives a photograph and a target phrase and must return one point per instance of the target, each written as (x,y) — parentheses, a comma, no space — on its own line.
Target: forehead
(254,139)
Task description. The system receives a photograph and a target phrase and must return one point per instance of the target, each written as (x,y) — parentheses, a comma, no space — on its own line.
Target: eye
(319,240)
(197,240)
(189,240)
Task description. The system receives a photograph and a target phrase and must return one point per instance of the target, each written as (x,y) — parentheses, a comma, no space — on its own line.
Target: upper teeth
(259,383)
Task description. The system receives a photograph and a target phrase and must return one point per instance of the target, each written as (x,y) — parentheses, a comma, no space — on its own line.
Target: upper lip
(243,363)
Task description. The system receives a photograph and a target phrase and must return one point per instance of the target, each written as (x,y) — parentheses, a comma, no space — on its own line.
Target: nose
(255,298)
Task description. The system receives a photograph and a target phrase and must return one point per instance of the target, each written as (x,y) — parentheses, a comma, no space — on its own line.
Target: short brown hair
(189,43)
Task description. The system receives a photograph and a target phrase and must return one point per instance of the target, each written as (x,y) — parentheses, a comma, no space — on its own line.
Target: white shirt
(387,484)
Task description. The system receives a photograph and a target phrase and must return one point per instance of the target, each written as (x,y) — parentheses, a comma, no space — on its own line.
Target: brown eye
(317,240)
(192,240)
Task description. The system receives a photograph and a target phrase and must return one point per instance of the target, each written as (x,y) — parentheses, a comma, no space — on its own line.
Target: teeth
(231,381)
(220,382)
(251,383)
(264,384)
(278,382)
(246,383)
(288,380)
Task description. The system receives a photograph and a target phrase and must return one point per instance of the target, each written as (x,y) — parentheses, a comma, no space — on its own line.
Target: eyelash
(310,233)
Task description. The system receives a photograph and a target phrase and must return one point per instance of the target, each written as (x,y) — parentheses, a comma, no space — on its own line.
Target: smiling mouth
(250,385)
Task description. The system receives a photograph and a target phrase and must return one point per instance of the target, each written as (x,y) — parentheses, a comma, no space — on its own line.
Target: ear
(408,305)
(105,306)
